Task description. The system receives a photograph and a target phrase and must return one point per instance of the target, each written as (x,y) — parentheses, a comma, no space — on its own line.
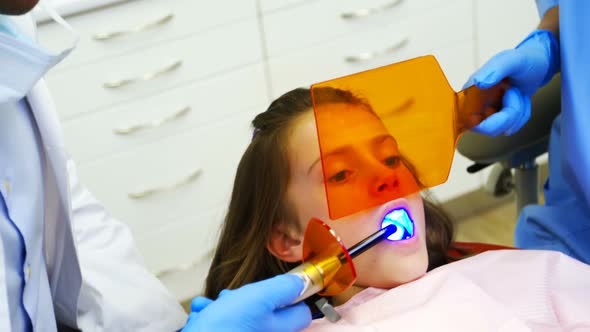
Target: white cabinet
(133,25)
(171,111)
(317,22)
(155,68)
(384,44)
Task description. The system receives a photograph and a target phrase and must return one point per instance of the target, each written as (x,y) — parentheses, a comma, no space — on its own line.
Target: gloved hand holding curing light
(260,306)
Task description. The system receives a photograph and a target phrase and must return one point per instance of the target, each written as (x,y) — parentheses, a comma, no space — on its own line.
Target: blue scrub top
(575,73)
(563,223)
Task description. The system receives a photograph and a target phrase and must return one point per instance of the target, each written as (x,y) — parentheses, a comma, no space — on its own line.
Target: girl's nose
(386,182)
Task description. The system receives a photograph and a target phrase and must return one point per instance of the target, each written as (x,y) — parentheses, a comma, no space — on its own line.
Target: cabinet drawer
(83,89)
(173,111)
(304,67)
(187,242)
(137,24)
(165,167)
(322,21)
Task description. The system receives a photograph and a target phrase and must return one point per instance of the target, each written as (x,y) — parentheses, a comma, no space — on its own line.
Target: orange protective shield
(391,131)
(323,248)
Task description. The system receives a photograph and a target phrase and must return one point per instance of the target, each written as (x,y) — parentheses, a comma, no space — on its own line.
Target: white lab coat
(97,277)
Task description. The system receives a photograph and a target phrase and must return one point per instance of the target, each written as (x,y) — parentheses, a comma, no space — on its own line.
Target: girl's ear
(285,243)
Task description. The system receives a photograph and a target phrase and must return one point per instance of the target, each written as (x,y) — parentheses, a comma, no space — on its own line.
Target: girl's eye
(391,161)
(339,177)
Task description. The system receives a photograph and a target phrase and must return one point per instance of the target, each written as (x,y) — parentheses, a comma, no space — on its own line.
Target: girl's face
(387,264)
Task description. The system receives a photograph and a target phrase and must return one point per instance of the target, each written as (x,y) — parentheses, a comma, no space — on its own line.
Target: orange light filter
(323,248)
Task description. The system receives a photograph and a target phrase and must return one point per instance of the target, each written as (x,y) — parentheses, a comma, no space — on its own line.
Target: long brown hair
(258,199)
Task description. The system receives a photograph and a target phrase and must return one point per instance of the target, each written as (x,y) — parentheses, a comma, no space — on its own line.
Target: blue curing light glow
(401,219)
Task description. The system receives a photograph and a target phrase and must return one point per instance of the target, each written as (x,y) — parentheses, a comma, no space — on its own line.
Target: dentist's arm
(131,299)
(258,306)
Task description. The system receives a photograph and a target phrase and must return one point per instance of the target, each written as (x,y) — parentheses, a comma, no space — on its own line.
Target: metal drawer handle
(103,36)
(127,130)
(145,77)
(152,191)
(360,13)
(184,267)
(371,55)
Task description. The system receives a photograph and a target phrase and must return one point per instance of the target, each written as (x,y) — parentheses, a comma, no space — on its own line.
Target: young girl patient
(279,187)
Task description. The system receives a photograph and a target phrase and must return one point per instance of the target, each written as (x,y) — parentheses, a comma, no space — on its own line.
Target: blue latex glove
(528,66)
(254,307)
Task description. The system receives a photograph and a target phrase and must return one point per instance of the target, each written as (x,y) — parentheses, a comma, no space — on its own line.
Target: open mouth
(402,221)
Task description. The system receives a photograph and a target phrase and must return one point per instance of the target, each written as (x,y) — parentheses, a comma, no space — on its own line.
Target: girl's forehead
(303,130)
(303,139)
